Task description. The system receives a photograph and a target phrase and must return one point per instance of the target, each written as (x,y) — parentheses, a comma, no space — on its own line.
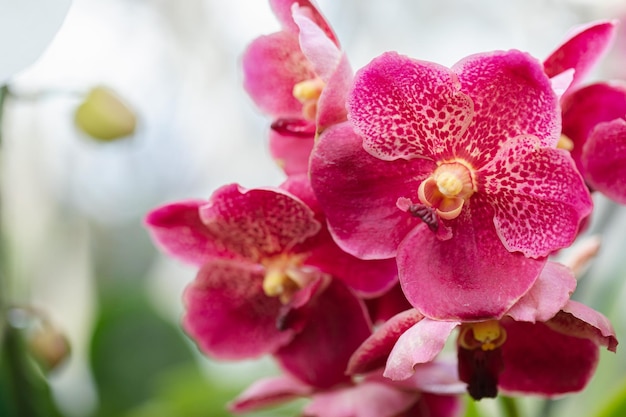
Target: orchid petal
(585,108)
(580,320)
(291,143)
(258,223)
(419,344)
(178,230)
(283,9)
(539,360)
(331,106)
(358,193)
(547,297)
(269,391)
(512,96)
(583,48)
(405,108)
(273,65)
(338,325)
(373,352)
(538,195)
(367,399)
(604,159)
(471,276)
(228,314)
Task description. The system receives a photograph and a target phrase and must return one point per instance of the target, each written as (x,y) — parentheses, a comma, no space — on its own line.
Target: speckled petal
(584,46)
(419,344)
(272,65)
(585,108)
(604,159)
(538,196)
(512,96)
(468,277)
(539,360)
(228,314)
(358,193)
(258,223)
(178,231)
(269,391)
(319,354)
(373,352)
(546,298)
(405,108)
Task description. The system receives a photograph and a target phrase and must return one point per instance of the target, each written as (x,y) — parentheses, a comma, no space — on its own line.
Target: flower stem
(509,406)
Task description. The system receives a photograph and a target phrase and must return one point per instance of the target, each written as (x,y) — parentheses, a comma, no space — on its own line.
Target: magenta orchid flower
(300,77)
(454,172)
(533,349)
(263,255)
(594,121)
(430,392)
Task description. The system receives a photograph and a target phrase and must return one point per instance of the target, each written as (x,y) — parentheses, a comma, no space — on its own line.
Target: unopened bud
(49,346)
(104,116)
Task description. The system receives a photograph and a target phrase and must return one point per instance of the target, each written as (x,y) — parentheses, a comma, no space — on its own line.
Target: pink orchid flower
(429,392)
(263,254)
(300,77)
(594,116)
(594,120)
(546,344)
(454,172)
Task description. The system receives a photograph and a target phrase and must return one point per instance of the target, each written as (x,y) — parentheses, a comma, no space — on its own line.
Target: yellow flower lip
(308,92)
(486,335)
(447,189)
(284,275)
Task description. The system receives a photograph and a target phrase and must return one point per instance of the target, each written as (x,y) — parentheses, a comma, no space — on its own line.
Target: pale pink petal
(358,193)
(405,108)
(585,108)
(258,223)
(373,352)
(319,354)
(322,52)
(471,276)
(604,159)
(178,230)
(269,391)
(291,143)
(228,314)
(562,82)
(577,319)
(331,106)
(512,96)
(283,11)
(437,377)
(367,399)
(582,49)
(539,360)
(538,195)
(272,65)
(419,344)
(546,298)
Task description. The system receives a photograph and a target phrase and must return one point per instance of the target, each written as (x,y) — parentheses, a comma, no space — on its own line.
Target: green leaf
(24,391)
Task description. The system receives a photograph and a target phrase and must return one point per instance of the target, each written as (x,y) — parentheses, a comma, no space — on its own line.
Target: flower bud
(104,116)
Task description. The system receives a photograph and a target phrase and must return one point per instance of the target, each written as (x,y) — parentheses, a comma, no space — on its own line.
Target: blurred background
(77,251)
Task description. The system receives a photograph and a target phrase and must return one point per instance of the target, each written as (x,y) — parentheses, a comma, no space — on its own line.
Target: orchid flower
(300,77)
(263,254)
(546,344)
(456,173)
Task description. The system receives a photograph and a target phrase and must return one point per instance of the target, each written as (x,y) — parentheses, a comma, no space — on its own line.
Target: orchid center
(565,143)
(486,335)
(284,276)
(308,92)
(447,189)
